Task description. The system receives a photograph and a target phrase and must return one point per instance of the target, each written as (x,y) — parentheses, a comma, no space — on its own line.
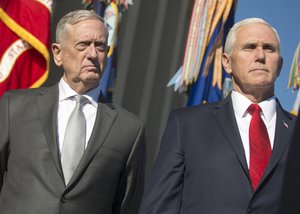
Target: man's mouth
(91,68)
(259,69)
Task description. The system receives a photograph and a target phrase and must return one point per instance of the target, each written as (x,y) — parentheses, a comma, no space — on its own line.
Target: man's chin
(92,76)
(93,80)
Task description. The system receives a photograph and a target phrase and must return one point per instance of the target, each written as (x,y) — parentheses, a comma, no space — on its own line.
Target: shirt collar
(241,104)
(66,92)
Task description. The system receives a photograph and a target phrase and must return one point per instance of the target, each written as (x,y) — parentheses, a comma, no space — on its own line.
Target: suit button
(63,200)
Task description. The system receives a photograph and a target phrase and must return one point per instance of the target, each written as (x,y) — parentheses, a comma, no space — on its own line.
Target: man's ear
(280,65)
(56,50)
(226,63)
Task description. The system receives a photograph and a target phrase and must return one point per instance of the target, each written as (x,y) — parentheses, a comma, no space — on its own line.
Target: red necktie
(260,148)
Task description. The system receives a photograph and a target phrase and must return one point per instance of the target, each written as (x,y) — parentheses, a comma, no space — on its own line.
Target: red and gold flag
(24,47)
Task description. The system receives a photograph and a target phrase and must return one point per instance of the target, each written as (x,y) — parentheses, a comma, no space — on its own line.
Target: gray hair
(231,37)
(73,18)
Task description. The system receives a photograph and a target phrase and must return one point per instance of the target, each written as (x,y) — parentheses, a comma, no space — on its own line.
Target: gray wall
(151,47)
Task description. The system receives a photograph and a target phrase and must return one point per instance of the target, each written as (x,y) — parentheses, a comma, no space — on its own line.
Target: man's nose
(92,51)
(260,54)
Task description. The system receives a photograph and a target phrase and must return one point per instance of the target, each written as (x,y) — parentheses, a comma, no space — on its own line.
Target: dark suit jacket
(201,166)
(290,203)
(109,178)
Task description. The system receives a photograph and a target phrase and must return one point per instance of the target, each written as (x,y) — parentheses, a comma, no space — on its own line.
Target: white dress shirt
(243,118)
(66,105)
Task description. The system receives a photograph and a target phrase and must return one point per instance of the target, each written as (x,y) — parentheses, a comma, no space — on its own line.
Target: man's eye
(249,47)
(269,48)
(81,46)
(101,47)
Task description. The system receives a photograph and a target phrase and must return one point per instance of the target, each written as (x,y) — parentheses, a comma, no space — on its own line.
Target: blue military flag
(201,74)
(111,11)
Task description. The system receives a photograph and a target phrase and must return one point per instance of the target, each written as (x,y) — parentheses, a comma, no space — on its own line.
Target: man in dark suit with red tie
(228,157)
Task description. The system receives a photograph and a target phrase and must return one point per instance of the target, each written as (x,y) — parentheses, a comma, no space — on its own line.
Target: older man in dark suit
(64,149)
(228,157)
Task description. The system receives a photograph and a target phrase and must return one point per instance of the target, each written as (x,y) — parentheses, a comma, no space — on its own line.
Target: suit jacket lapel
(283,133)
(224,114)
(104,120)
(47,104)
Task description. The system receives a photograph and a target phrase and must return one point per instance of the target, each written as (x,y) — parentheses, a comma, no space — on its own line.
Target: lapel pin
(285,124)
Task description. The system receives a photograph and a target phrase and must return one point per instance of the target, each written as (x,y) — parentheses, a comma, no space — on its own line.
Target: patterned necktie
(260,148)
(74,140)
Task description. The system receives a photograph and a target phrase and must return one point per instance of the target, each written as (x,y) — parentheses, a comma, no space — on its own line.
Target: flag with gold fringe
(24,47)
(111,11)
(294,79)
(201,74)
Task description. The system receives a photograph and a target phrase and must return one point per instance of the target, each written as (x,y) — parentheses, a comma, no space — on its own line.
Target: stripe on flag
(24,53)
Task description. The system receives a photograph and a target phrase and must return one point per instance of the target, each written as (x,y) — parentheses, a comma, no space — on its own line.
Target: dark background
(150,50)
